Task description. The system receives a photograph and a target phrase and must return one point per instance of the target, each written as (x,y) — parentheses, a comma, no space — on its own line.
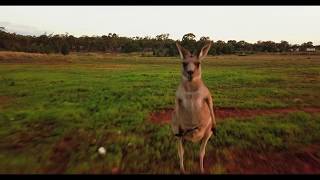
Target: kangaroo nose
(190,72)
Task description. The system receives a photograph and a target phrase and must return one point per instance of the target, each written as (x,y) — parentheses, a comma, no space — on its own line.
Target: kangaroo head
(191,63)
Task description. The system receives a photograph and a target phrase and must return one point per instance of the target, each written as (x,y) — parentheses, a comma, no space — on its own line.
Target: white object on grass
(102,151)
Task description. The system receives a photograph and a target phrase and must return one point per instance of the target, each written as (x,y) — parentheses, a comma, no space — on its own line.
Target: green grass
(105,101)
(269,133)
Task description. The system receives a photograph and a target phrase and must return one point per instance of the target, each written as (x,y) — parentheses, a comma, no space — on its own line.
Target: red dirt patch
(61,153)
(298,161)
(5,100)
(39,132)
(71,143)
(223,113)
(164,115)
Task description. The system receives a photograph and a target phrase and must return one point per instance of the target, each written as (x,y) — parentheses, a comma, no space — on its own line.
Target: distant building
(311,49)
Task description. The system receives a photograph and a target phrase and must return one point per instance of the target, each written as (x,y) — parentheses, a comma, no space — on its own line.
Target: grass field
(56,111)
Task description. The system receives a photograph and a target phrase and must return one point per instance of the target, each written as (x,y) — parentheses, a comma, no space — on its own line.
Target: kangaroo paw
(214,130)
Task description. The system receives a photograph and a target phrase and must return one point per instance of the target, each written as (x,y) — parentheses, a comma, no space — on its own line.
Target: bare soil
(304,160)
(5,100)
(163,116)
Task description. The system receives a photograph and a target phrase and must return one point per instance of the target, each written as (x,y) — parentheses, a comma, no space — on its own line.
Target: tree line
(161,45)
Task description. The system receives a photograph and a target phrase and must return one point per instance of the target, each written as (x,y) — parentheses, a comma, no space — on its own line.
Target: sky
(295,24)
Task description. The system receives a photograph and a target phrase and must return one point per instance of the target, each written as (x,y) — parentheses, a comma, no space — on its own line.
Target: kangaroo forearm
(210,105)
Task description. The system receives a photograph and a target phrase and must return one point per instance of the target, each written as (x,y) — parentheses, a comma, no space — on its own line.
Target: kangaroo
(193,117)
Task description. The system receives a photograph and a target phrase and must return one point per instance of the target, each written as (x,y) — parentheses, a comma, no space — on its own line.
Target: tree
(243,46)
(188,37)
(65,48)
(131,46)
(161,45)
(265,46)
(227,49)
(219,45)
(304,46)
(232,46)
(189,42)
(203,40)
(283,46)
(162,37)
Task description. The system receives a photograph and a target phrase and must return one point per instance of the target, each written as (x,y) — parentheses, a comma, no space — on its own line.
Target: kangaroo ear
(182,51)
(204,51)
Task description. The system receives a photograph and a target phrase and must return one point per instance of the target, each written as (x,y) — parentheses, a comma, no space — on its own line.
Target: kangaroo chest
(192,109)
(191,101)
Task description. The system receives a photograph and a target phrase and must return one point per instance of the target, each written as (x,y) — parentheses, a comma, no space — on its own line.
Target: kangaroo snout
(190,75)
(190,72)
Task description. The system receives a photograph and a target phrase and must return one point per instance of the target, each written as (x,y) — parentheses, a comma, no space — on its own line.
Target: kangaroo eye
(185,64)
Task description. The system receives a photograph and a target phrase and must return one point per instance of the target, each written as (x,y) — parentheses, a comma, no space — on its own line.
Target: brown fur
(193,118)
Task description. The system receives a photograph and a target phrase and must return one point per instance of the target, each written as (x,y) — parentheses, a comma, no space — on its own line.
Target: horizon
(295,25)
